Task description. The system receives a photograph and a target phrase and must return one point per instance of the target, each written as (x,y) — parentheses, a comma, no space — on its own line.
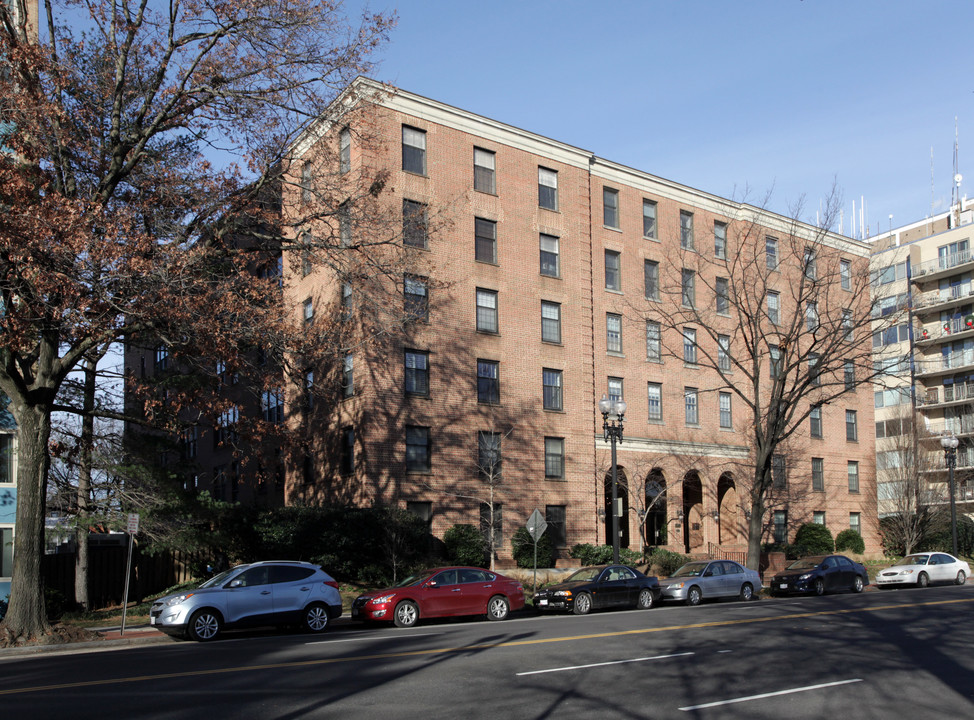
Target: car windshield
(693,569)
(413,579)
(914,560)
(218,579)
(584,575)
(808,563)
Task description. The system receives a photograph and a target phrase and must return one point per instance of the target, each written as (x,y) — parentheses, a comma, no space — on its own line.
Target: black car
(599,587)
(819,574)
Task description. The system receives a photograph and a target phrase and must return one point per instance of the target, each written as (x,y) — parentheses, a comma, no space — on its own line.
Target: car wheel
(819,586)
(406,614)
(961,578)
(858,584)
(645,599)
(923,580)
(204,625)
(316,618)
(747,592)
(694,596)
(498,608)
(582,605)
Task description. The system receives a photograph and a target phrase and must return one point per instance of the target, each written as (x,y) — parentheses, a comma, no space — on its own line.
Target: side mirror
(235,583)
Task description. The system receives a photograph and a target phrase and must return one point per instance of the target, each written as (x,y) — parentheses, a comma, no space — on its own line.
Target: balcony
(935,333)
(959,426)
(961,392)
(946,364)
(942,267)
(937,300)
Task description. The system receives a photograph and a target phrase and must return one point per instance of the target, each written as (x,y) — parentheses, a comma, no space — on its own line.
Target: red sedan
(442,592)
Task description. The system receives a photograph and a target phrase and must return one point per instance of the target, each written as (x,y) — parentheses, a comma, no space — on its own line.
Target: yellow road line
(466,648)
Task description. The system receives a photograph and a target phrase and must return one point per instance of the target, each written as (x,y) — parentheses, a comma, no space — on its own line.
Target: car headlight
(677,585)
(176,599)
(563,593)
(806,576)
(906,572)
(381,599)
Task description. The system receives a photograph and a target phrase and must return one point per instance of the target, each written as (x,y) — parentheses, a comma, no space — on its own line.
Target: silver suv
(275,592)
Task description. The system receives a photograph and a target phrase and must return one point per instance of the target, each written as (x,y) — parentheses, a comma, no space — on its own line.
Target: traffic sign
(536,525)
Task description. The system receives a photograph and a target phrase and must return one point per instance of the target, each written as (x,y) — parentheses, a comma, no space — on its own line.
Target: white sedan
(921,569)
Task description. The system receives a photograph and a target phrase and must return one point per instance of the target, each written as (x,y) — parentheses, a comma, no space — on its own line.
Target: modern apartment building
(533,299)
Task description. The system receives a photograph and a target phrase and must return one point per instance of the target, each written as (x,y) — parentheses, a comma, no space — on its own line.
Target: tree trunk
(26,616)
(84,483)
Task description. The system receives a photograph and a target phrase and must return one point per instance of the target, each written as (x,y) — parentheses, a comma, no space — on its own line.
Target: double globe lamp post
(949,444)
(613,416)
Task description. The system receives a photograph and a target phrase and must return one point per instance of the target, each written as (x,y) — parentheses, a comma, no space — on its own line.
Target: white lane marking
(602,664)
(370,637)
(770,694)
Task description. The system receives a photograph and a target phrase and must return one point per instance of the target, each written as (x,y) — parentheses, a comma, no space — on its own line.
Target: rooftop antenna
(955,195)
(932,190)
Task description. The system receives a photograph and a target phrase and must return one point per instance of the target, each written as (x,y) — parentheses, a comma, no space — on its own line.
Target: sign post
(132,527)
(536,527)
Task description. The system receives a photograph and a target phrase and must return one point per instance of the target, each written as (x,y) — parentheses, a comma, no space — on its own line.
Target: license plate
(542,602)
(783,585)
(152,620)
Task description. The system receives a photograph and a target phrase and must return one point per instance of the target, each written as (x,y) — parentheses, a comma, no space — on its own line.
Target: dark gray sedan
(702,579)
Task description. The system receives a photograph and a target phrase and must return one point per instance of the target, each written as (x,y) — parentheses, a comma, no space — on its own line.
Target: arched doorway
(692,512)
(622,493)
(728,530)
(654,529)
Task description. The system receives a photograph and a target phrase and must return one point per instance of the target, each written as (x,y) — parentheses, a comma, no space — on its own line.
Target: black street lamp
(613,415)
(950,443)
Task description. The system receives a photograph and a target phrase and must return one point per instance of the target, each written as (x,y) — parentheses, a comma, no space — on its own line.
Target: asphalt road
(897,654)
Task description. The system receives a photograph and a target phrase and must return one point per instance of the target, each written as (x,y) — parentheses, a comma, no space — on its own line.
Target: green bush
(522,547)
(851,541)
(814,539)
(666,562)
(465,546)
(602,555)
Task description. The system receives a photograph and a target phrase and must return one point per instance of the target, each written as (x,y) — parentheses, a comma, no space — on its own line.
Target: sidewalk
(112,638)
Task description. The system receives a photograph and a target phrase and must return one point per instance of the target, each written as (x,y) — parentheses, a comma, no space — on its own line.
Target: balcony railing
(937,331)
(950,361)
(961,425)
(945,262)
(936,297)
(951,393)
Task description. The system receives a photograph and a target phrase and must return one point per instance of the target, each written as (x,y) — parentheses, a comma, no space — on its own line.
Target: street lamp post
(949,444)
(613,415)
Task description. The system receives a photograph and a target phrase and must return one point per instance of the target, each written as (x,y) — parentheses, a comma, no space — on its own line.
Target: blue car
(819,574)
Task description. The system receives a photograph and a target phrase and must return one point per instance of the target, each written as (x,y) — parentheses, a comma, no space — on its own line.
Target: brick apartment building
(532,276)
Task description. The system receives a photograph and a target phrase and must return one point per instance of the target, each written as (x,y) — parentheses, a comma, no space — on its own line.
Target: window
(306,266)
(418,449)
(190,445)
(613,333)
(845,274)
(547,188)
(723,353)
(615,388)
(423,509)
(771,252)
(344,151)
(613,270)
(488,382)
(851,426)
(651,279)
(688,294)
(818,474)
(815,421)
(847,326)
(550,264)
(550,322)
(417,373)
(855,522)
(654,351)
(554,515)
(554,457)
(853,471)
(485,240)
(814,369)
(489,456)
(690,346)
(849,375)
(483,171)
(818,517)
(487,311)
(610,208)
(686,230)
(655,394)
(347,461)
(414,224)
(780,526)
(309,312)
(309,389)
(690,406)
(272,405)
(344,226)
(306,183)
(413,150)
(649,219)
(551,389)
(774,308)
(346,301)
(722,290)
(776,361)
(811,316)
(810,264)
(415,297)
(348,377)
(779,474)
(726,421)
(720,240)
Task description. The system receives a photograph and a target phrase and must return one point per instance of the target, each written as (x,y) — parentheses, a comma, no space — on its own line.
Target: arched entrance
(654,529)
(692,512)
(728,524)
(622,493)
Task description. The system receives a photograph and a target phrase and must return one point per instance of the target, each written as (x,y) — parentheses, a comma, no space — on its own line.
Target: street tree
(149,189)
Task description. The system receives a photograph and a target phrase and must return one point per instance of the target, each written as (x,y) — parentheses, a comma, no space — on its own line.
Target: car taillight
(332,583)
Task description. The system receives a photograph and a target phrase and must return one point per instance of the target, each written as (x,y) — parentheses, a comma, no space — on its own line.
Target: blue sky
(734,98)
